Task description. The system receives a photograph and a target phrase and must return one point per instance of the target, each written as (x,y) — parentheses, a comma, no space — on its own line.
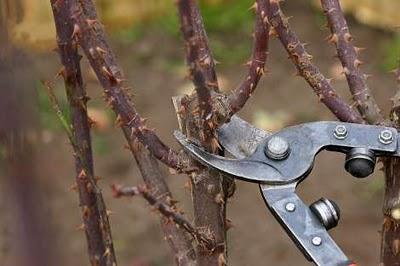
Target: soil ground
(256,238)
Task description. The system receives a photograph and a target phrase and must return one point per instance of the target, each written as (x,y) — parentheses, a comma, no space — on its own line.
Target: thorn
(357,63)
(219,198)
(347,37)
(359,49)
(82,174)
(85,212)
(107,253)
(396,247)
(215,145)
(272,32)
(346,71)
(91,52)
(77,31)
(74,187)
(143,120)
(109,75)
(118,121)
(61,73)
(170,201)
(81,227)
(248,63)
(221,259)
(91,22)
(106,72)
(253,6)
(333,38)
(260,70)
(367,76)
(228,224)
(101,50)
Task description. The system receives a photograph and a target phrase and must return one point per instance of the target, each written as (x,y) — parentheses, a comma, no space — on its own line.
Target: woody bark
(95,220)
(200,116)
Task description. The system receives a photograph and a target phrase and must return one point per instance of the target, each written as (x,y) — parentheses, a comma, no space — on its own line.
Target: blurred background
(37,203)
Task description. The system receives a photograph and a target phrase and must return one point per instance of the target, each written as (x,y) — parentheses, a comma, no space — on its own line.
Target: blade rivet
(340,132)
(386,137)
(316,241)
(290,207)
(277,148)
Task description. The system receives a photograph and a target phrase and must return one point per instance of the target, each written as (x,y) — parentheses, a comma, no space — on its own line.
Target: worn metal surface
(278,177)
(305,141)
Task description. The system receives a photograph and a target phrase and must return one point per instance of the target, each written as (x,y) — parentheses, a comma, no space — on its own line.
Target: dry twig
(167,209)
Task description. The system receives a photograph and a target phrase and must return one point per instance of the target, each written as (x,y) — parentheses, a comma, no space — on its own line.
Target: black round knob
(360,162)
(327,211)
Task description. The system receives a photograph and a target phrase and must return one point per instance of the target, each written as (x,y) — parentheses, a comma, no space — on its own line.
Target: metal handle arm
(303,226)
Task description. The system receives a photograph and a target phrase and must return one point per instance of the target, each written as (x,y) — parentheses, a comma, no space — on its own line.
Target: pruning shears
(279,162)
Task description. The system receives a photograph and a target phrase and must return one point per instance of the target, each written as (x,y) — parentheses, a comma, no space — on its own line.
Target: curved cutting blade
(249,170)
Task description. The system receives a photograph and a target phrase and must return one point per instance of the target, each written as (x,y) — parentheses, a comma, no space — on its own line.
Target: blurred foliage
(31,24)
(2,152)
(100,144)
(391,52)
(226,22)
(129,20)
(271,121)
(383,13)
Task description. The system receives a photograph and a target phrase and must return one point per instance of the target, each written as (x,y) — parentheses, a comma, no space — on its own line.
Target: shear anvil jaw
(279,162)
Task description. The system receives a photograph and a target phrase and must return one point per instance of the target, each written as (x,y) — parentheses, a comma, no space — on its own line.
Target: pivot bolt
(277,148)
(316,241)
(340,132)
(290,207)
(327,212)
(386,137)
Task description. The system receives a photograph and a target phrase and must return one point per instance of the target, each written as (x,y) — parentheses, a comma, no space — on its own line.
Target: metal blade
(248,170)
(240,138)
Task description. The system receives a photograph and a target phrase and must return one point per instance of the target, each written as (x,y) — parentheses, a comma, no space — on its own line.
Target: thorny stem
(110,76)
(94,212)
(198,54)
(348,55)
(390,242)
(395,112)
(241,94)
(302,61)
(201,68)
(168,210)
(209,189)
(154,178)
(91,37)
